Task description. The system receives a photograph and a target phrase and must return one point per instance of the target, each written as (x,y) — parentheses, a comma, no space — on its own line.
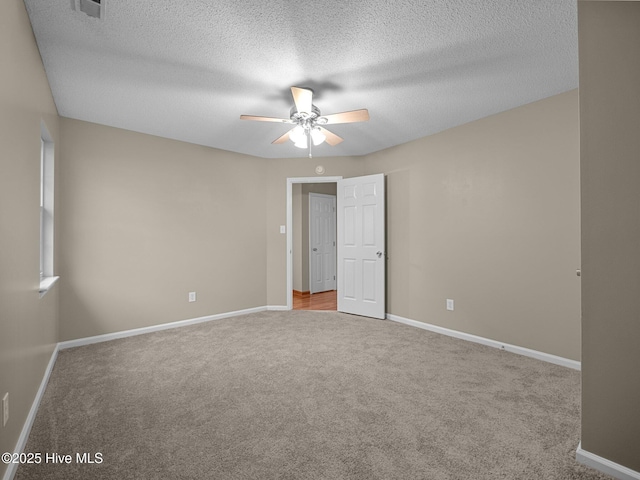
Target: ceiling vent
(93,8)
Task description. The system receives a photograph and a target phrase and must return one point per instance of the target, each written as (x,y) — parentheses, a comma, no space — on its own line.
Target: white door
(361,246)
(322,242)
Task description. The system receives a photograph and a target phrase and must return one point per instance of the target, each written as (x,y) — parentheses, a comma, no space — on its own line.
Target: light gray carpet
(307,395)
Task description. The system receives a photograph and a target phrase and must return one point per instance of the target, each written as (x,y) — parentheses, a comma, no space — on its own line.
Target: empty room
(319,240)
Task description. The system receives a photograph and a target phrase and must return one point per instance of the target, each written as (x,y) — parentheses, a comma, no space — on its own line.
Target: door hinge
(334,277)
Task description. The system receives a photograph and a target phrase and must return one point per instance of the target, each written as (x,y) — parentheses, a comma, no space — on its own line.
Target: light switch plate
(449,304)
(192,296)
(283,229)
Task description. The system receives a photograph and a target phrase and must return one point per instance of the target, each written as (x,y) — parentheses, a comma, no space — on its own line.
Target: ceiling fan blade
(348,117)
(265,119)
(303,98)
(282,138)
(332,138)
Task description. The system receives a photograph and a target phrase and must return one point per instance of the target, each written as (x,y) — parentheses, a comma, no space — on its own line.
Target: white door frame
(290,182)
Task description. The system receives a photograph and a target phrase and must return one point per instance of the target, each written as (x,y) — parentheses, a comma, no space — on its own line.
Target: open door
(361,246)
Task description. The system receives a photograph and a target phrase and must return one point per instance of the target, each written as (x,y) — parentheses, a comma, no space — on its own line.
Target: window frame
(47,169)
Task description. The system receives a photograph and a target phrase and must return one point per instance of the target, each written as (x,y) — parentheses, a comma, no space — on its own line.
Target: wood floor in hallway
(316,301)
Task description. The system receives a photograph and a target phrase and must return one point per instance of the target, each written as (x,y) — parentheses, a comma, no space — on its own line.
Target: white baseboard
(277,308)
(546,357)
(26,428)
(605,466)
(154,328)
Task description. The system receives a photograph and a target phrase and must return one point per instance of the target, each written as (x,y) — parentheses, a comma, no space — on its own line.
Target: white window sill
(46,283)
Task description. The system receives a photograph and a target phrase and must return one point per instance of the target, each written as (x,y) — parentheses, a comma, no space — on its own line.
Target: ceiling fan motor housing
(307,121)
(297,116)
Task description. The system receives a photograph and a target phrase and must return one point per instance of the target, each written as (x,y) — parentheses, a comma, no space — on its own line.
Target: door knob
(379,254)
(315,249)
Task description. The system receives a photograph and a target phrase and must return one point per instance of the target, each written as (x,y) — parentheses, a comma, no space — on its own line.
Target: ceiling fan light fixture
(317,136)
(296,134)
(299,136)
(302,142)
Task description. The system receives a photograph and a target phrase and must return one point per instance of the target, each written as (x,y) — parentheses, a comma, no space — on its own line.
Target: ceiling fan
(309,122)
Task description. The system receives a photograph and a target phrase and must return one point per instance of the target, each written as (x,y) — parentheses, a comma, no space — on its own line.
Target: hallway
(317,301)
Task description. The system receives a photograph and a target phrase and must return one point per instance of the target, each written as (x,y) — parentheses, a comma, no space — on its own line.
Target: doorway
(314,246)
(297,247)
(361,256)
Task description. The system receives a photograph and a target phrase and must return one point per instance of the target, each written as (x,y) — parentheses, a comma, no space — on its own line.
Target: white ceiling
(188,69)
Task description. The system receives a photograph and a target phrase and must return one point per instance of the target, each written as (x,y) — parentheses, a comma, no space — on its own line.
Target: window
(47,278)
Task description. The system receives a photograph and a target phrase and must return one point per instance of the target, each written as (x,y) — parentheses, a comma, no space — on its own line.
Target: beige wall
(28,324)
(487,214)
(609,36)
(147,220)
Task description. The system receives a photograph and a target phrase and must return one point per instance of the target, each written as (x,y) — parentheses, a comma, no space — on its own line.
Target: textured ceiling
(187,69)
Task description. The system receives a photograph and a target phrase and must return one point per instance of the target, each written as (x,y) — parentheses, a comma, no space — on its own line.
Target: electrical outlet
(449,304)
(5,409)
(192,296)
